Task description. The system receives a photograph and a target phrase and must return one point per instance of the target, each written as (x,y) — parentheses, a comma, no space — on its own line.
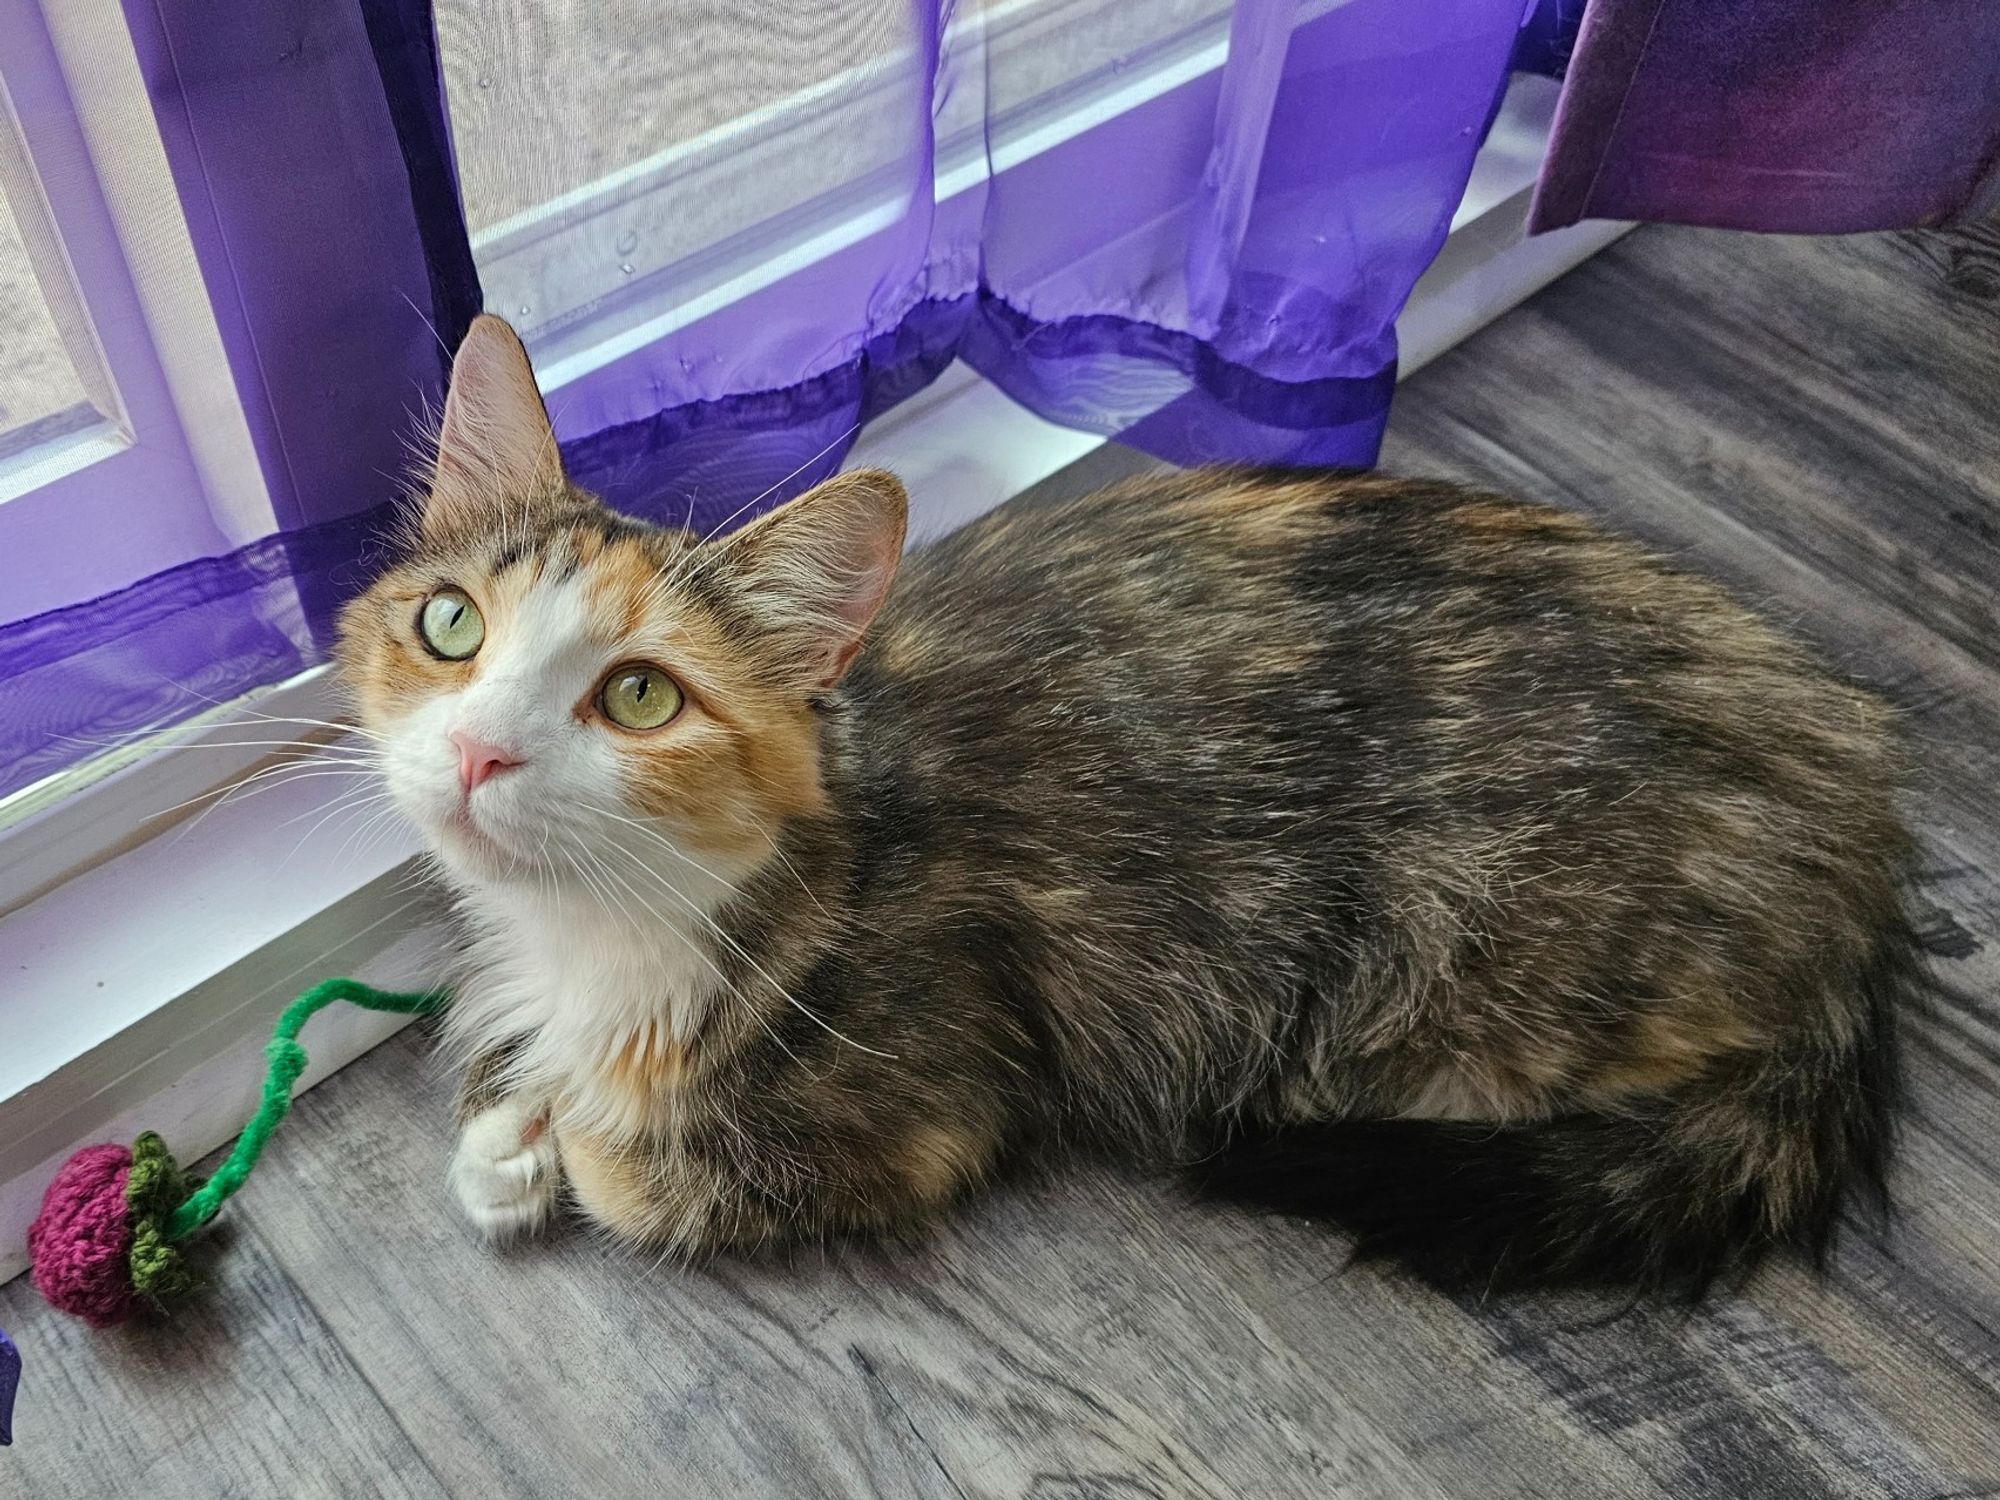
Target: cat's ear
(814,572)
(496,450)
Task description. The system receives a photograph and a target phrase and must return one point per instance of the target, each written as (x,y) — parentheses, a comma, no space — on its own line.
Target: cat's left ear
(496,450)
(815,571)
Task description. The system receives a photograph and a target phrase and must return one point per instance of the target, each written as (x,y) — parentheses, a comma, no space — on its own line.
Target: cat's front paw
(504,1172)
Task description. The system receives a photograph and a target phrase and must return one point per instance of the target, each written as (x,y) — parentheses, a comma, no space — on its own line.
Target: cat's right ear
(496,453)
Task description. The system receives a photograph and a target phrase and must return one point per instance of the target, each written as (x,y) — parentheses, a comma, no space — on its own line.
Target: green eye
(451,624)
(639,697)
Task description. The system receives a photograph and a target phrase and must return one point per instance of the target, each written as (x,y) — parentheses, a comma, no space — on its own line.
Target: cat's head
(547,683)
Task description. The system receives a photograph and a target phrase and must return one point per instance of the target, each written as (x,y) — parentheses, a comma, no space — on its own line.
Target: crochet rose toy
(108,1239)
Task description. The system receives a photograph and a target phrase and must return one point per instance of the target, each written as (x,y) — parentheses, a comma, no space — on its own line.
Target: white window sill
(142,976)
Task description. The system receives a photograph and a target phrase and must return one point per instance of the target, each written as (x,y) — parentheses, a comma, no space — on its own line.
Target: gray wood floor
(1816,422)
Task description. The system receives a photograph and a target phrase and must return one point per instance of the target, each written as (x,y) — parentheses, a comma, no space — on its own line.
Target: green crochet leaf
(154,1189)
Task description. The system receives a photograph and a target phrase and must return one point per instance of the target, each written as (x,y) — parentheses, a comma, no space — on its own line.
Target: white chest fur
(597,995)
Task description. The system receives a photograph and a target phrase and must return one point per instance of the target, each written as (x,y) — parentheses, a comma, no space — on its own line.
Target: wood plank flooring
(1817,423)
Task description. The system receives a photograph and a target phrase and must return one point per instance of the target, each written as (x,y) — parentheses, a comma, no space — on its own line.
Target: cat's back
(1166,571)
(1302,637)
(1240,577)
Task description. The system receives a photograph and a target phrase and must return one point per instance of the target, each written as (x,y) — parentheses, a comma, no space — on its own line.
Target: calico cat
(1374,849)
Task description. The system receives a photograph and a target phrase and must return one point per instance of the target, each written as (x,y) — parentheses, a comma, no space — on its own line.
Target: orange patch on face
(747,758)
(381,660)
(624,578)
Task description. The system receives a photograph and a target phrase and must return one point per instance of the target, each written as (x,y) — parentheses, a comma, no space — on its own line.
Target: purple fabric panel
(1548,37)
(1213,275)
(296,133)
(286,157)
(1379,112)
(823,313)
(708,465)
(1822,118)
(1229,289)
(762,398)
(403,37)
(39,567)
(169,647)
(1218,411)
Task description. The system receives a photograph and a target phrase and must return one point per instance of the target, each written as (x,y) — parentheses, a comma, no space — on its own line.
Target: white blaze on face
(540,660)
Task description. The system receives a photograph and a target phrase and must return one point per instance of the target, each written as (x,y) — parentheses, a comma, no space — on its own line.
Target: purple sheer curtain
(1548,37)
(1815,118)
(306,140)
(1212,275)
(1211,270)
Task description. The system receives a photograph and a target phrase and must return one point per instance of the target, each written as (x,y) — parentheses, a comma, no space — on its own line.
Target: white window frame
(201,927)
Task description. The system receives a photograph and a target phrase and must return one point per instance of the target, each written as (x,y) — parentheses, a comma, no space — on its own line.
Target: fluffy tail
(1667,1196)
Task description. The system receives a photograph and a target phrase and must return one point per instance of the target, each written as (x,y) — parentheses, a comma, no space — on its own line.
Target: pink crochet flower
(81,1243)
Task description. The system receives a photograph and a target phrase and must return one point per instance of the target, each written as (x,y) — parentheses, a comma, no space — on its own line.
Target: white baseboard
(1486,269)
(199,936)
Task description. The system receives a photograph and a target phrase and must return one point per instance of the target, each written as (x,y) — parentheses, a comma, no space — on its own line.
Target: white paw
(504,1172)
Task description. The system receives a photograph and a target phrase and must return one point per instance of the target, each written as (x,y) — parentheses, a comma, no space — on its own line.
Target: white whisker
(716,927)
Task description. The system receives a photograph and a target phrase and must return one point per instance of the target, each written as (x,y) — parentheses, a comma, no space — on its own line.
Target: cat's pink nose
(478,760)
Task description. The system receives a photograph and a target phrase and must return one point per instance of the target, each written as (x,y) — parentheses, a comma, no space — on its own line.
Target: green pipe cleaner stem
(288,1061)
